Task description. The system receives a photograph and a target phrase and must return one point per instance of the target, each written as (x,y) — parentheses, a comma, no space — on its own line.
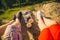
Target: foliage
(5,4)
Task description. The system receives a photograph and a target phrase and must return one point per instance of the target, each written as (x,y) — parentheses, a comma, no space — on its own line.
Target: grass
(9,13)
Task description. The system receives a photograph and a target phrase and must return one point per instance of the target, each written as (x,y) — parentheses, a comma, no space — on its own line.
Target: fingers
(49,22)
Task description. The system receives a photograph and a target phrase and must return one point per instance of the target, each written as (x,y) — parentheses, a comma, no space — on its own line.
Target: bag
(12,33)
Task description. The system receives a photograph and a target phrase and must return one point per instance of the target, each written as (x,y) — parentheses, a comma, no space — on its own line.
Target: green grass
(9,13)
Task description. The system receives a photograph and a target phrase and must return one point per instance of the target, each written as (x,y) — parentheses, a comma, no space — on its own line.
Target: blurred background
(51,8)
(10,7)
